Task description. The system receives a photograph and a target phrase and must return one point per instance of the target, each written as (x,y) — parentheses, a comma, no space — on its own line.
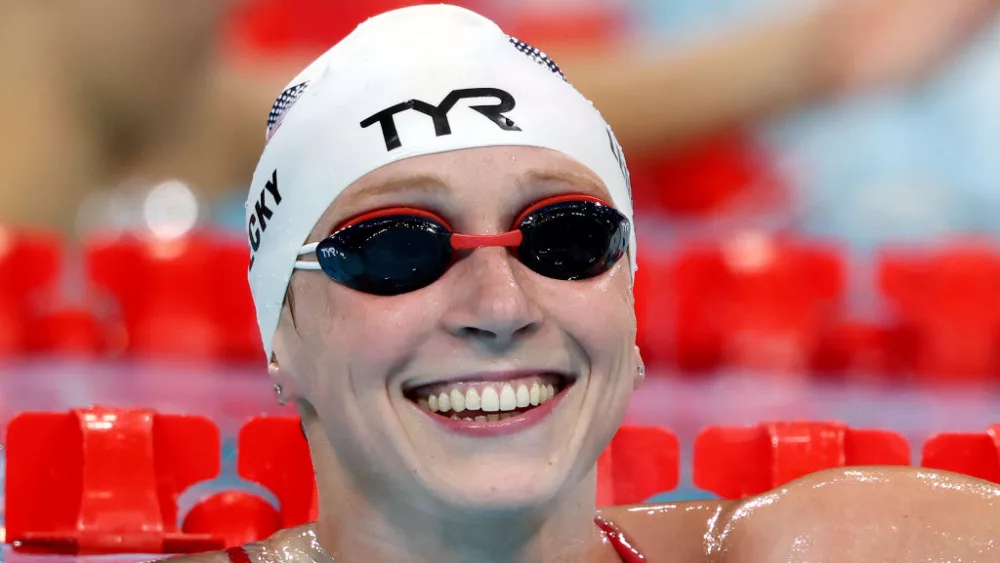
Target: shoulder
(862,514)
(848,514)
(668,532)
(286,546)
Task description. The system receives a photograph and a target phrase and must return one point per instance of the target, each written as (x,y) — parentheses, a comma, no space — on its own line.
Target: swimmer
(443,252)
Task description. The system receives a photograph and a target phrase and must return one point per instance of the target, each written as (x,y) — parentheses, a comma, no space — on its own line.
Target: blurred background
(817,195)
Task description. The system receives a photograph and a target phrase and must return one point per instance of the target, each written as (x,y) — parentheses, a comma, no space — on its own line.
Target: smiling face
(550,362)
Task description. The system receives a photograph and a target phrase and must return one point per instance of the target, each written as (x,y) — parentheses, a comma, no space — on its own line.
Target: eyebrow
(428,183)
(432,184)
(582,182)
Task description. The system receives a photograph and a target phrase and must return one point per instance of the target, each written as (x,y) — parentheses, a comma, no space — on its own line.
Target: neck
(50,156)
(352,529)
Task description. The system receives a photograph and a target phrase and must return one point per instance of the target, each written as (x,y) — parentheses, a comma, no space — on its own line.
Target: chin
(500,483)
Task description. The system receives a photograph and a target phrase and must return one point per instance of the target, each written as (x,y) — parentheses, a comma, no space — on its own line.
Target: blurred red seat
(860,348)
(236,517)
(736,462)
(756,302)
(579,27)
(970,453)
(947,300)
(723,176)
(654,307)
(104,480)
(29,266)
(640,462)
(70,330)
(185,297)
(273,452)
(235,303)
(302,28)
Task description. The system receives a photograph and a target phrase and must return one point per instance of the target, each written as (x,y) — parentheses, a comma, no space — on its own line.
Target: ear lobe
(286,387)
(640,370)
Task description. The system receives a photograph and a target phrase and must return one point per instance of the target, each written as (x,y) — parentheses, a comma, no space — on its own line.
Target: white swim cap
(415,81)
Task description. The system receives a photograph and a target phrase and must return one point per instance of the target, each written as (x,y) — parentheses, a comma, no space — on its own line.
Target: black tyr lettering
(494,113)
(439,114)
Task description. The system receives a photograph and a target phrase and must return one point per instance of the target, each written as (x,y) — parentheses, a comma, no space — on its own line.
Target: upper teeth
(488,397)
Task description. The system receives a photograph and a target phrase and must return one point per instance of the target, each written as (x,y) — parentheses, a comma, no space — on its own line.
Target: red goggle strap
(458,241)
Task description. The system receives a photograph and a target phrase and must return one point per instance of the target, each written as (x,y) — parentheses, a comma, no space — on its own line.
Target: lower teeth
(485,418)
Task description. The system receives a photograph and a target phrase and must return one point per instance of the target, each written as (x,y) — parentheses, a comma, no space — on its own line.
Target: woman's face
(368,363)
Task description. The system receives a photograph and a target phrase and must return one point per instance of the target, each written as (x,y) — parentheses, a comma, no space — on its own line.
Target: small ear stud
(277,393)
(641,372)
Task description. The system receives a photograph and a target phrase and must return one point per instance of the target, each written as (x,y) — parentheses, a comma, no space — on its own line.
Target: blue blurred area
(902,167)
(893,167)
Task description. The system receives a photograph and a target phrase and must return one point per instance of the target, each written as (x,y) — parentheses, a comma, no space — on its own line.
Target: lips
(489,399)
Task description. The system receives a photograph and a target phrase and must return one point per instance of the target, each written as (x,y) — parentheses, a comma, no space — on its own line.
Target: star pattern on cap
(536,55)
(281,106)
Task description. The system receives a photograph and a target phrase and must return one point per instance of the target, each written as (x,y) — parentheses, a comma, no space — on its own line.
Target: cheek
(361,336)
(599,313)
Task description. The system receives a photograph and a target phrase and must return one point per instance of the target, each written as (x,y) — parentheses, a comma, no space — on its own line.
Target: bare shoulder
(867,514)
(294,545)
(850,515)
(681,532)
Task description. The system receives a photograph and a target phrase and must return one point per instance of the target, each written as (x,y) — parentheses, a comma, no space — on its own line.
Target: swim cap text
(257,224)
(439,113)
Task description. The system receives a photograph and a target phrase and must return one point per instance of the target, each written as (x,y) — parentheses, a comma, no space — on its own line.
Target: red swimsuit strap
(623,545)
(238,555)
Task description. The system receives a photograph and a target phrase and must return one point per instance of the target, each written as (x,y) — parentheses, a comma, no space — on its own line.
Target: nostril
(479,333)
(487,334)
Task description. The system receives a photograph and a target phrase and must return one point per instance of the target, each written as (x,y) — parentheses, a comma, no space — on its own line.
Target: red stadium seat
(736,462)
(720,175)
(640,462)
(973,454)
(861,348)
(29,266)
(561,27)
(755,302)
(102,480)
(274,453)
(300,27)
(241,337)
(237,517)
(654,307)
(72,330)
(176,297)
(948,301)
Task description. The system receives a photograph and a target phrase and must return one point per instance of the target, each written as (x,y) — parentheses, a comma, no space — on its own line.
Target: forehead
(497,177)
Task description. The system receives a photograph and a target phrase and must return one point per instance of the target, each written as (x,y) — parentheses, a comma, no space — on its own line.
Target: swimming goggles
(402,249)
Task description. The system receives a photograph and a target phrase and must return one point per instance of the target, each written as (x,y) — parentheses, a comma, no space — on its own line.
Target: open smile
(492,404)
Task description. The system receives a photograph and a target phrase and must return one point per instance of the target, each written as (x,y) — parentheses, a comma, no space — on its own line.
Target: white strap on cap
(415,81)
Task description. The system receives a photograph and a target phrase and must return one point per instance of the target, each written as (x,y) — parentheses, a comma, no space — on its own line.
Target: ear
(640,369)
